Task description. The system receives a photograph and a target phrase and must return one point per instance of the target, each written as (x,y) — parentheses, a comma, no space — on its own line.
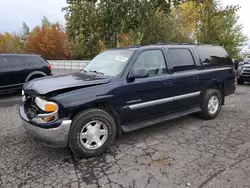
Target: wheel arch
(219,85)
(106,106)
(35,73)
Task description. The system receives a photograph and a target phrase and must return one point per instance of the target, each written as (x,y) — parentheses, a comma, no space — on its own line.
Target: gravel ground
(187,152)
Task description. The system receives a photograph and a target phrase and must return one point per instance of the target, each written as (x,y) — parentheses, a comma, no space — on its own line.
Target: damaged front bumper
(54,134)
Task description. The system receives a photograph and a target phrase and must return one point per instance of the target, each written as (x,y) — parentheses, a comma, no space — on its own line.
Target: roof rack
(182,43)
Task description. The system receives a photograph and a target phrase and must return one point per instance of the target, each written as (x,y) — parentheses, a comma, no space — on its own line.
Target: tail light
(49,66)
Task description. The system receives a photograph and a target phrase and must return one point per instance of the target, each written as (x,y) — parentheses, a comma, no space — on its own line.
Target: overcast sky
(14,12)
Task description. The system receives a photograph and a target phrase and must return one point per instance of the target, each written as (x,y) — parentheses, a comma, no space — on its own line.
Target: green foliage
(26,30)
(85,32)
(46,22)
(90,22)
(163,28)
(220,26)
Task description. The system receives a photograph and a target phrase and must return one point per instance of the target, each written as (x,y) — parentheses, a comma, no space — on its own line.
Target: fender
(35,73)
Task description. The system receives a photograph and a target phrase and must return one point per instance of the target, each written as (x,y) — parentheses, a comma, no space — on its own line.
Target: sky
(14,12)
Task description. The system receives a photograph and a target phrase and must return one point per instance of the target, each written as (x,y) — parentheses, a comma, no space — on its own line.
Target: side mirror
(138,73)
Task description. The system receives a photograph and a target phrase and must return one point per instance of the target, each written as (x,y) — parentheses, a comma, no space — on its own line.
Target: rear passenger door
(14,71)
(186,81)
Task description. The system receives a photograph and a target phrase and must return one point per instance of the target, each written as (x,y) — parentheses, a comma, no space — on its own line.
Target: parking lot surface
(186,152)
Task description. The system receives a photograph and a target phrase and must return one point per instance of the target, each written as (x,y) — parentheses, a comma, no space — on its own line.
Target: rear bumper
(54,137)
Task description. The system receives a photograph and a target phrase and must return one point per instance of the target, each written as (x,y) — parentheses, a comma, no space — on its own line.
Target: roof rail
(17,53)
(182,43)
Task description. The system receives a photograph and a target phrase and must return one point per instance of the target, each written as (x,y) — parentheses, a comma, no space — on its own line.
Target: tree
(50,42)
(220,26)
(84,33)
(91,21)
(25,30)
(163,28)
(208,22)
(46,22)
(186,15)
(10,43)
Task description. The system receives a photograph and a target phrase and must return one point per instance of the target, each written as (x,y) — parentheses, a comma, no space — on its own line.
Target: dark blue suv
(126,89)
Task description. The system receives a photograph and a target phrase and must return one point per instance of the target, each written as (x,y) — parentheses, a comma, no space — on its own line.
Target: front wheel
(92,132)
(211,104)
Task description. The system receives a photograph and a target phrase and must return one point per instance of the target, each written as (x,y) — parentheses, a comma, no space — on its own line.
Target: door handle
(168,82)
(196,77)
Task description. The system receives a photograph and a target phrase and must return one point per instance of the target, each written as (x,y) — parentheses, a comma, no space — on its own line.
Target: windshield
(246,60)
(109,63)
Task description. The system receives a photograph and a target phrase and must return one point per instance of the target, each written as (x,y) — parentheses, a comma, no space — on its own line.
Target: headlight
(46,105)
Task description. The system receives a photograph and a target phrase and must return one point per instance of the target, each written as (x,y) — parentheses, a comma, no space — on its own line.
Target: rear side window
(213,56)
(12,62)
(33,61)
(182,59)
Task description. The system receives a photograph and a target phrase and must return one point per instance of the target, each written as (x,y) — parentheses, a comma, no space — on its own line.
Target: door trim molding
(189,95)
(150,103)
(162,101)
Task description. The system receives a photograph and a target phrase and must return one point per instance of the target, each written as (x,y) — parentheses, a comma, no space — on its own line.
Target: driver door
(150,96)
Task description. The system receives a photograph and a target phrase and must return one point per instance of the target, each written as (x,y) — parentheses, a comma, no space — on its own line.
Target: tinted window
(182,59)
(153,60)
(12,62)
(33,61)
(213,56)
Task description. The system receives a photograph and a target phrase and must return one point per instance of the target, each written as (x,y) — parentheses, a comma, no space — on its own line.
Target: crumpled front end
(40,118)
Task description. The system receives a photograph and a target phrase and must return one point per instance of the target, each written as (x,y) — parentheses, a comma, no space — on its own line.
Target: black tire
(79,121)
(205,114)
(240,81)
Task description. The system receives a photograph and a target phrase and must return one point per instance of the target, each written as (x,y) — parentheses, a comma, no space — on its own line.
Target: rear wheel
(240,81)
(211,104)
(92,132)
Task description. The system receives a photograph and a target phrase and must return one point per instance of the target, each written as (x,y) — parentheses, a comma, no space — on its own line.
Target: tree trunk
(117,39)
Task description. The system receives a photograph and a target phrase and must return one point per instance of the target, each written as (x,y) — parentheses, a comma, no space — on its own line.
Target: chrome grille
(246,71)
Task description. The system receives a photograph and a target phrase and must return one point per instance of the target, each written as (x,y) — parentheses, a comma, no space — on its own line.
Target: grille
(31,108)
(246,72)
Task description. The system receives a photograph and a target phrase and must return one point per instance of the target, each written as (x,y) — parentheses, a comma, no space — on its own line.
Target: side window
(12,62)
(32,61)
(153,60)
(213,56)
(182,59)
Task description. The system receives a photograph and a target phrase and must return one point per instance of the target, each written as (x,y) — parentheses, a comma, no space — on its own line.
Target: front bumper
(245,78)
(54,137)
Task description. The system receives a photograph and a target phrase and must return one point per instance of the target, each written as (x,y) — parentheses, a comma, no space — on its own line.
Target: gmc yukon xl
(126,89)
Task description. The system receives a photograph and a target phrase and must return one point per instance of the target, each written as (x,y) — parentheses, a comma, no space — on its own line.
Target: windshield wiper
(97,72)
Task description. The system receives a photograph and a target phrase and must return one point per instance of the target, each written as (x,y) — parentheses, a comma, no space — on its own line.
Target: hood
(49,84)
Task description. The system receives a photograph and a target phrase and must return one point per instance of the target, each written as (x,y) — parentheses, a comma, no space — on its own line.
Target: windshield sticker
(120,58)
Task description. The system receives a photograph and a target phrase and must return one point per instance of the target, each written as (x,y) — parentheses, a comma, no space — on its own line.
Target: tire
(240,81)
(84,122)
(206,113)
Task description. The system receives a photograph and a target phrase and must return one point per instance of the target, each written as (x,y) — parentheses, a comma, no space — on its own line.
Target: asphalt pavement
(186,152)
